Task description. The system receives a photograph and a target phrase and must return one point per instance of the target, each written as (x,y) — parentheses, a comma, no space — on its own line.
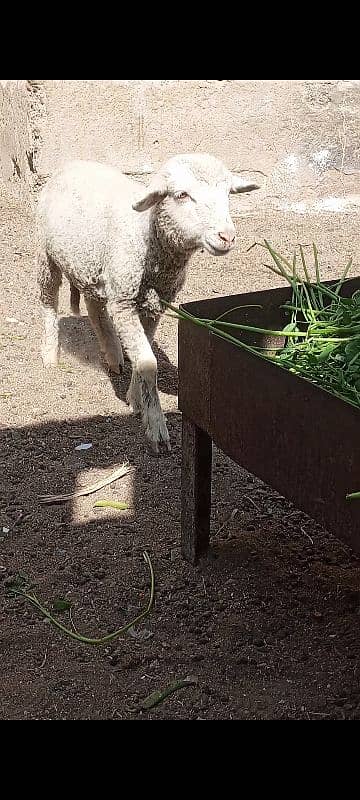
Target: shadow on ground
(268,623)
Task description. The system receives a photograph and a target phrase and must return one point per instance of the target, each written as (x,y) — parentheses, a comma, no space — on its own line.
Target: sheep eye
(181,195)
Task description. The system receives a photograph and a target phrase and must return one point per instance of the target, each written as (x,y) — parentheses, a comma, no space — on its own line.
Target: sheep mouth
(216,251)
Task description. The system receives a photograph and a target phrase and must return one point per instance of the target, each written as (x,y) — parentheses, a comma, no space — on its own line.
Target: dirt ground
(268,623)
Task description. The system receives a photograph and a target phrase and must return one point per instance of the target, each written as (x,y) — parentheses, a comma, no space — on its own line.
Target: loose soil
(268,622)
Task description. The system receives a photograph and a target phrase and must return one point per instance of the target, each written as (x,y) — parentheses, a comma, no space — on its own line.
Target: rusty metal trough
(296,437)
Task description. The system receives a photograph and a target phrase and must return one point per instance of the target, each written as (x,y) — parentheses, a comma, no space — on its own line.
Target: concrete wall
(290,130)
(303,135)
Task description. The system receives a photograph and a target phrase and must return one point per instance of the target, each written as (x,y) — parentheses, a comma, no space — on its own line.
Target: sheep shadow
(78,339)
(42,458)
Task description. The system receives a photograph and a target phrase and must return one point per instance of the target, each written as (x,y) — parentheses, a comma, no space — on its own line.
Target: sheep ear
(241,184)
(153,194)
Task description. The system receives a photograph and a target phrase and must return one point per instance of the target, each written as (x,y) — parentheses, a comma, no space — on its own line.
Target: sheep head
(189,197)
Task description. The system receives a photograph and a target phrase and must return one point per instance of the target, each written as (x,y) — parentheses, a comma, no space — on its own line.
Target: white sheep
(126,263)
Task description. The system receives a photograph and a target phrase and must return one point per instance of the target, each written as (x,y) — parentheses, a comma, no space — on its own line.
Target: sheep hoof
(50,358)
(154,445)
(116,368)
(115,361)
(157,435)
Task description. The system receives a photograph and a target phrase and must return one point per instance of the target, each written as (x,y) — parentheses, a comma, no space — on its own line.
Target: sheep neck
(166,258)
(166,248)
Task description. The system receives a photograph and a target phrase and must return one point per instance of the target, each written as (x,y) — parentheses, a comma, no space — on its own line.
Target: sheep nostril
(229,238)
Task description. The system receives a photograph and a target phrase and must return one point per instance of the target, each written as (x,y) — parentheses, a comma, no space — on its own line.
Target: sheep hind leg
(106,334)
(49,282)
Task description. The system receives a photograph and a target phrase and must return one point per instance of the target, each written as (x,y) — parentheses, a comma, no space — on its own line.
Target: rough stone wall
(21,111)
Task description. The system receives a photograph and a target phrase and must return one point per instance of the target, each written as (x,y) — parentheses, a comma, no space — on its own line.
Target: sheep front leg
(143,393)
(150,313)
(134,397)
